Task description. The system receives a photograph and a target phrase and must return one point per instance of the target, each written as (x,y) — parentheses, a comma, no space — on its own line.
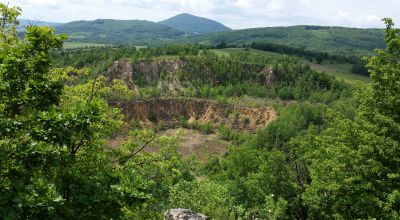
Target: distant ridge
(118,31)
(186,28)
(25,22)
(334,40)
(193,24)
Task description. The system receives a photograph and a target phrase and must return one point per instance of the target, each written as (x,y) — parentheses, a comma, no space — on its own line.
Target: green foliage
(149,92)
(53,127)
(183,122)
(354,163)
(338,159)
(246,120)
(205,128)
(208,197)
(49,146)
(96,60)
(118,31)
(169,50)
(291,121)
(333,40)
(235,136)
(221,100)
(274,210)
(193,25)
(243,73)
(146,178)
(309,55)
(118,91)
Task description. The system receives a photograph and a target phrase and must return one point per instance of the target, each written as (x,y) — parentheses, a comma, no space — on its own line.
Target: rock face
(183,214)
(171,112)
(148,71)
(121,70)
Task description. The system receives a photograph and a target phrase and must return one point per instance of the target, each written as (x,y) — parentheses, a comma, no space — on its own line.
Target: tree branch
(125,159)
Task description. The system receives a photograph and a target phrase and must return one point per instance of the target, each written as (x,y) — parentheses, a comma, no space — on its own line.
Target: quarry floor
(194,144)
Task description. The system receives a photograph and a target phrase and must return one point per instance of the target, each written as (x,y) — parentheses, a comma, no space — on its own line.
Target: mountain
(118,31)
(187,28)
(26,22)
(194,25)
(334,40)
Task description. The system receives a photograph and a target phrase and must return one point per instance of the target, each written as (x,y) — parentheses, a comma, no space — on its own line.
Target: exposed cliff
(121,70)
(150,71)
(172,111)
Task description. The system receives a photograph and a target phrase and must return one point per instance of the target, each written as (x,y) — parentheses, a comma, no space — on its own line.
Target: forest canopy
(333,151)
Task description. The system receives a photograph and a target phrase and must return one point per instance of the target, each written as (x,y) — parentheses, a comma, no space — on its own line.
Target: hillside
(341,71)
(149,123)
(334,40)
(118,31)
(193,24)
(26,22)
(186,28)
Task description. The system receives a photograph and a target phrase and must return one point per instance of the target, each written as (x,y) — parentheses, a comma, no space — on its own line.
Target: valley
(184,117)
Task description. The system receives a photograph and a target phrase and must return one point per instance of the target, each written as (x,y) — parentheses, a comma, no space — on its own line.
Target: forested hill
(118,31)
(25,22)
(193,24)
(186,28)
(334,40)
(138,31)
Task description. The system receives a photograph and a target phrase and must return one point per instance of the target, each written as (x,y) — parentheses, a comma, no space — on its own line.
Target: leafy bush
(246,120)
(183,122)
(208,197)
(221,100)
(205,128)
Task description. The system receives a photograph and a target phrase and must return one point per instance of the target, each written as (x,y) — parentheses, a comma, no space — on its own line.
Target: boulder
(183,214)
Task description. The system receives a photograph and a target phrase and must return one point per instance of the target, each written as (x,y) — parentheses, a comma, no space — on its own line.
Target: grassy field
(74,45)
(340,71)
(228,51)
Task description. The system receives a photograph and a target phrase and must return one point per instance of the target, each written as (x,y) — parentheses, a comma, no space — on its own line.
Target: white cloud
(243,3)
(233,13)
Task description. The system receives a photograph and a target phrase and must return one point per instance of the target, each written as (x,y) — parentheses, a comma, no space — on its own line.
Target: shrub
(221,100)
(246,120)
(224,133)
(183,122)
(205,128)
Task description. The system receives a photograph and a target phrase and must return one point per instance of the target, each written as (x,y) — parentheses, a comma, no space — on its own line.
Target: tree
(353,164)
(53,157)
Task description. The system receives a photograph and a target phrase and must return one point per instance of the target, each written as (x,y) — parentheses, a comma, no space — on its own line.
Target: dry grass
(195,144)
(200,146)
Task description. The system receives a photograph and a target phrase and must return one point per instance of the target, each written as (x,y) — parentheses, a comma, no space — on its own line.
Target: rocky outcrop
(121,70)
(261,74)
(183,214)
(172,111)
(150,71)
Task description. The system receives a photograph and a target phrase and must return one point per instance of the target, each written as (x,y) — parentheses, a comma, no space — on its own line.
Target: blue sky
(236,14)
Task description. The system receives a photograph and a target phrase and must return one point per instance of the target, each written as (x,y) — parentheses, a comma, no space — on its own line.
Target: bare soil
(194,144)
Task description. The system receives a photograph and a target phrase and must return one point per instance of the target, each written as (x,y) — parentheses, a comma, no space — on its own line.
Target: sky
(236,14)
